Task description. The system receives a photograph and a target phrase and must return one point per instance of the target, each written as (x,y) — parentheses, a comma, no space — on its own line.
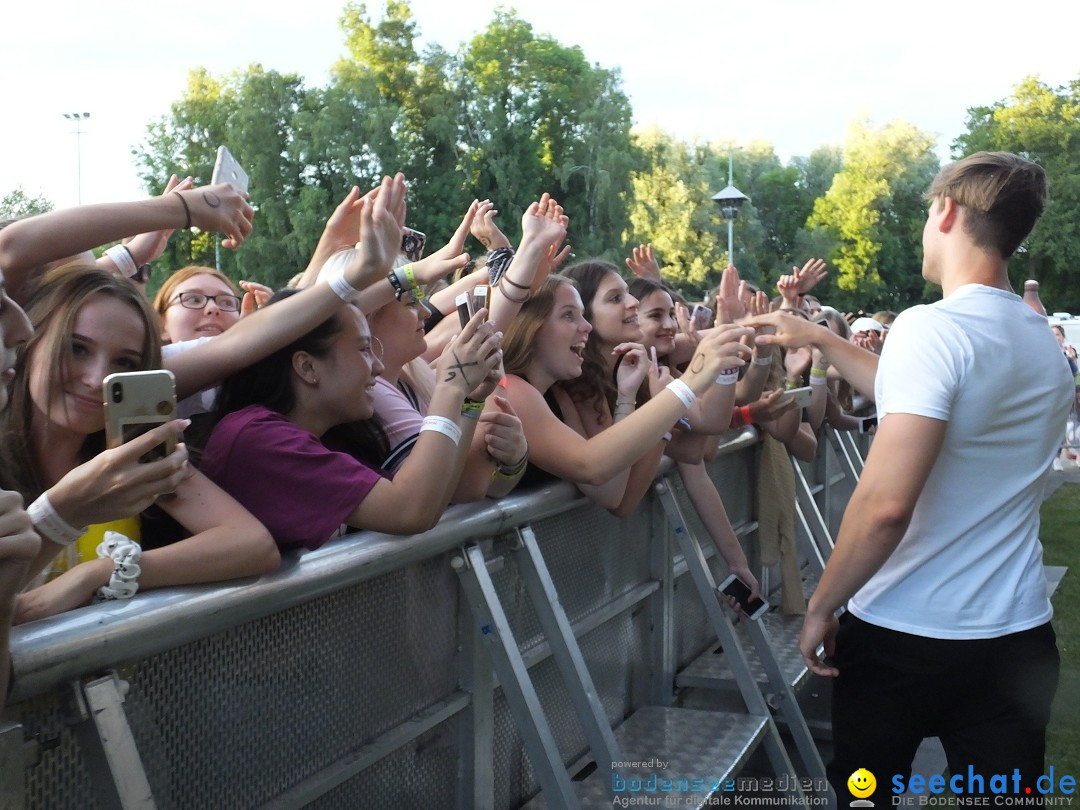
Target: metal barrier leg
(804,498)
(568,658)
(744,678)
(518,688)
(842,450)
(115,767)
(476,768)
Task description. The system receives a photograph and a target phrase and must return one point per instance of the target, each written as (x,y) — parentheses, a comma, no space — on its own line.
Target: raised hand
(484,229)
(771,406)
(382,217)
(471,356)
(255,295)
(731,296)
(633,368)
(812,272)
(643,264)
(220,209)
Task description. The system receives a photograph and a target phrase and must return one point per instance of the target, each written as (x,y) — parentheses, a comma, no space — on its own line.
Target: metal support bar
(518,688)
(812,541)
(842,450)
(568,658)
(853,448)
(322,782)
(116,770)
(740,668)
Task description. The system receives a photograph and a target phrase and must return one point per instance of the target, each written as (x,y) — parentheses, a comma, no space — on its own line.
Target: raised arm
(29,243)
(856,365)
(266,330)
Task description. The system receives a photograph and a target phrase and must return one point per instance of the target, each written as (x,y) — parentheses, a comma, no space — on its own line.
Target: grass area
(1060,535)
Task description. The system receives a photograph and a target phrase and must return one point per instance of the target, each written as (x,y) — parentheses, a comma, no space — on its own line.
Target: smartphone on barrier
(701,316)
(227,170)
(800,395)
(138,401)
(412,244)
(868,424)
(740,592)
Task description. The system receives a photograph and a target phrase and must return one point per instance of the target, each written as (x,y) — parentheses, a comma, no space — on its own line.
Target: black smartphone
(740,591)
(867,424)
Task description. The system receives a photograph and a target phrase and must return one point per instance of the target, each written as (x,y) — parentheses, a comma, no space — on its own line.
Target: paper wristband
(49,523)
(440,424)
(680,389)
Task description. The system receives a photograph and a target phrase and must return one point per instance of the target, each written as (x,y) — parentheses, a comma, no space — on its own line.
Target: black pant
(988,700)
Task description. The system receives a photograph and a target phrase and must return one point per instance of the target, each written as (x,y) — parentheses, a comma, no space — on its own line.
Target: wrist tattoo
(698,362)
(211,199)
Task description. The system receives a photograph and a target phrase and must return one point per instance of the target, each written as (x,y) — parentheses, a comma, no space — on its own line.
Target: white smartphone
(480,298)
(463,302)
(138,401)
(800,395)
(740,591)
(227,170)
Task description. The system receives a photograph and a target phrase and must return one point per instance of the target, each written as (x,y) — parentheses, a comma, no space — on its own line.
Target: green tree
(874,212)
(17,204)
(1043,124)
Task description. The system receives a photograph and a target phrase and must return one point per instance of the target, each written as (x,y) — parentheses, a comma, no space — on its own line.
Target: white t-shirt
(201,402)
(970,563)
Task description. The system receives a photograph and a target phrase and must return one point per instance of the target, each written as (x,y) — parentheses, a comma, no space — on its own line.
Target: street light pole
(730,199)
(78,118)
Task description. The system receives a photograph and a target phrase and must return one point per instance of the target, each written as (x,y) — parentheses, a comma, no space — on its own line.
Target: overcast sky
(794,74)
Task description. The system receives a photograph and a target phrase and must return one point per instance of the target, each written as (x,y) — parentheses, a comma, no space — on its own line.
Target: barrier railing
(353,677)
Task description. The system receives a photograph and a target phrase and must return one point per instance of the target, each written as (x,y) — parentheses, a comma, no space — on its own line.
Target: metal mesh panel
(59,780)
(233,720)
(593,558)
(422,774)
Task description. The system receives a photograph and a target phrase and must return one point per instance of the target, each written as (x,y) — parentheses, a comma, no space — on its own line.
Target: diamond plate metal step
(711,671)
(699,750)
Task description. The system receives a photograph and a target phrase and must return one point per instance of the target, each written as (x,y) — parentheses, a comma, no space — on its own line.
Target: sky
(794,74)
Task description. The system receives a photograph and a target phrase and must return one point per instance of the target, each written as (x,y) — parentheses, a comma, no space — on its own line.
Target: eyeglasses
(374,349)
(194,300)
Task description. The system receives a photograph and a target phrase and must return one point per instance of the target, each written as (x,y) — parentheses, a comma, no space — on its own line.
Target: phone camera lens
(117,392)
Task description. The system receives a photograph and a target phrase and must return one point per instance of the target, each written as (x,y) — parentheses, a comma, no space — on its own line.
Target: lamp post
(78,118)
(730,200)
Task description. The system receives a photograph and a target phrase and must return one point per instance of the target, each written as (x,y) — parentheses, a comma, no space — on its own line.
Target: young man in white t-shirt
(938,559)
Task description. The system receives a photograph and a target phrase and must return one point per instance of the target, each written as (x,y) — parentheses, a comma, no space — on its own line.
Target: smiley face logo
(861,783)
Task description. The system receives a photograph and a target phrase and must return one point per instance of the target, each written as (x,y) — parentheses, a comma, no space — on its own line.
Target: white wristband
(125,553)
(817,380)
(342,288)
(728,376)
(122,258)
(680,389)
(50,524)
(440,424)
(763,361)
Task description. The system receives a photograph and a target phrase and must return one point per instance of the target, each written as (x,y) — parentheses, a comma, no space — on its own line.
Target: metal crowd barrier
(354,677)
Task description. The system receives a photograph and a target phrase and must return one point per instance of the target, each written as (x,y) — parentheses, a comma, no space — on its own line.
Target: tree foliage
(1043,124)
(17,204)
(874,213)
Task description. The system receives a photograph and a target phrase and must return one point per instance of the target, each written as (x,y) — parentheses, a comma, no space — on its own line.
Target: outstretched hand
(470,358)
(220,209)
(643,264)
(484,229)
(732,297)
